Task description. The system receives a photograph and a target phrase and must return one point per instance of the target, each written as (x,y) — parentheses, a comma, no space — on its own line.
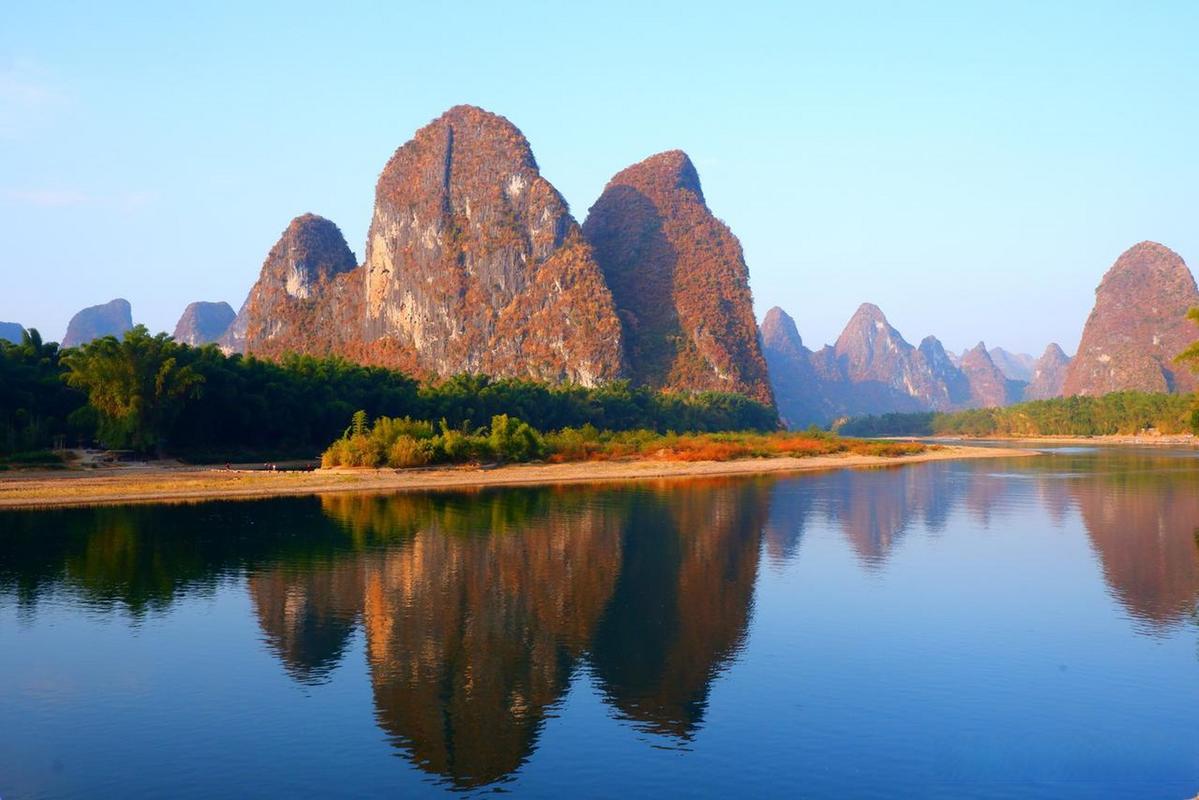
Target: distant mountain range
(474,264)
(1136,328)
(872,369)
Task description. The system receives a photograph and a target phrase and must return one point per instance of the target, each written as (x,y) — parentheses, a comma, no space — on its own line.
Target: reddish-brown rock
(474,263)
(1048,374)
(1137,327)
(294,306)
(679,281)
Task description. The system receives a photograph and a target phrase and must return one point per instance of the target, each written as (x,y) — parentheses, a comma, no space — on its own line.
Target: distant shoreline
(1127,439)
(153,484)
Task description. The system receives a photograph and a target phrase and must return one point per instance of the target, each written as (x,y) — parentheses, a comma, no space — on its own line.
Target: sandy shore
(148,484)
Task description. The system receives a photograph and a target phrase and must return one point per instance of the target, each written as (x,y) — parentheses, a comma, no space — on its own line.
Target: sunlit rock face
(679,280)
(300,302)
(110,319)
(474,263)
(1137,327)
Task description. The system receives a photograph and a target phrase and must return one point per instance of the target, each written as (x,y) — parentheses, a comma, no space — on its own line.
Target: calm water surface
(1009,628)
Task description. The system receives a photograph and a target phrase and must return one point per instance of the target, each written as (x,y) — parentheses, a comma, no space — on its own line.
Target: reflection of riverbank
(156,485)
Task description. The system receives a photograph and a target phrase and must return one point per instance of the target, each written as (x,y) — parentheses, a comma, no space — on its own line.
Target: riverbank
(1132,439)
(151,484)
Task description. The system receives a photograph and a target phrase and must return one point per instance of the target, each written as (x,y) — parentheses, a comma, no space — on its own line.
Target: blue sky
(972,168)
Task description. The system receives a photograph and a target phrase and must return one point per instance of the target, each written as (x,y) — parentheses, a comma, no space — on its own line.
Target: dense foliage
(413,443)
(36,406)
(1116,413)
(146,392)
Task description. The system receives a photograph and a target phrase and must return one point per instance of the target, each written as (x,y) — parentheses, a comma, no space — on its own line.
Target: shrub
(513,440)
(408,451)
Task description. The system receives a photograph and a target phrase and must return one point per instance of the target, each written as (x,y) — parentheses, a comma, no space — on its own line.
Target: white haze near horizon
(972,171)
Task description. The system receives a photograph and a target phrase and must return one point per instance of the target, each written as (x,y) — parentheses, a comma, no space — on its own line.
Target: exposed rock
(110,319)
(1137,327)
(989,388)
(1014,366)
(474,263)
(203,323)
(679,281)
(292,307)
(1048,374)
(11,332)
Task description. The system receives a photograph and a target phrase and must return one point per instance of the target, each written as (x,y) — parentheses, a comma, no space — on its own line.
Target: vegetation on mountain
(679,281)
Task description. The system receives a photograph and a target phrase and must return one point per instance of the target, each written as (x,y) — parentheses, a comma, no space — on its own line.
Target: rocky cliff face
(203,323)
(1137,327)
(293,307)
(11,332)
(679,281)
(989,387)
(474,263)
(110,319)
(1048,374)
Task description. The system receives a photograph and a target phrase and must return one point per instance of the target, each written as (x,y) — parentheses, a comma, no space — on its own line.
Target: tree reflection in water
(477,608)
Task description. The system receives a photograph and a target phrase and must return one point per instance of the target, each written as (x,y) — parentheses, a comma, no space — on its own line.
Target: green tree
(136,385)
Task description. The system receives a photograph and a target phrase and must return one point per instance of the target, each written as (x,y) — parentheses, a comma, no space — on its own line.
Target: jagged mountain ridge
(872,369)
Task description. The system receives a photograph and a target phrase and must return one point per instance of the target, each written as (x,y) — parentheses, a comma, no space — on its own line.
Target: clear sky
(972,168)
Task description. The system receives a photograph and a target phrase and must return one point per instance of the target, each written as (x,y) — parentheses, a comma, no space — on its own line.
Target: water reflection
(478,608)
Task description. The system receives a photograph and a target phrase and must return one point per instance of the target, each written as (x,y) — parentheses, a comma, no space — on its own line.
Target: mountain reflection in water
(477,608)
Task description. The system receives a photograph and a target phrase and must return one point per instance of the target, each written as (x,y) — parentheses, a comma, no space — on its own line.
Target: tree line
(148,393)
(1115,413)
